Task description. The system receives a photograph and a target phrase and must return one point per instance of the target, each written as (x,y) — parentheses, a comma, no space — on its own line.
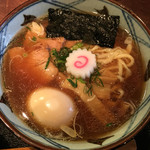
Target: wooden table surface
(139,7)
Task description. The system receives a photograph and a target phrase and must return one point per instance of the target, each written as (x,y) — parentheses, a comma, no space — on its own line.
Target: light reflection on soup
(95,105)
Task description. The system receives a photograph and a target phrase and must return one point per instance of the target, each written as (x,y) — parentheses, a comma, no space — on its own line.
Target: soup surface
(71,90)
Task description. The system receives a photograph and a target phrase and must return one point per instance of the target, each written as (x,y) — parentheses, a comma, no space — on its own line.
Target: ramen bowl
(140,33)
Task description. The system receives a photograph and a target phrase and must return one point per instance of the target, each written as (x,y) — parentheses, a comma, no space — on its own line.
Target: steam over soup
(70,89)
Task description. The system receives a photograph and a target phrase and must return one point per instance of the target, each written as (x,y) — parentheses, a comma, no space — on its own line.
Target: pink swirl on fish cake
(80,64)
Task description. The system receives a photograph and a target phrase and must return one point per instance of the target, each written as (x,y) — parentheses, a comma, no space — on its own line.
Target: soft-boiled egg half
(51,107)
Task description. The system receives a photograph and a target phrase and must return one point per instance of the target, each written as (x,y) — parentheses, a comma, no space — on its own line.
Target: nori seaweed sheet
(28,19)
(100,29)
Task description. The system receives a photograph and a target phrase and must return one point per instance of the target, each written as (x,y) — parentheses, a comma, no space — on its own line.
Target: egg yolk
(51,107)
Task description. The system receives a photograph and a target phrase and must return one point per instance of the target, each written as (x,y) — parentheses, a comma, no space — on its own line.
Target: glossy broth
(19,85)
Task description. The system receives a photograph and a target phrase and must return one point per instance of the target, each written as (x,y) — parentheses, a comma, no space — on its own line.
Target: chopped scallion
(48,61)
(34,38)
(60,58)
(77,45)
(25,54)
(55,53)
(109,124)
(81,80)
(28,28)
(32,113)
(60,61)
(74,84)
(101,81)
(98,81)
(88,90)
(95,77)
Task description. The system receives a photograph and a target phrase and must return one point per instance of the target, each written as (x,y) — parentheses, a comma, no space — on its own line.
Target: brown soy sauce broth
(137,71)
(19,85)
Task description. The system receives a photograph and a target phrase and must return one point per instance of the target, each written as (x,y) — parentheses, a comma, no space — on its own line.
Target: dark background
(139,7)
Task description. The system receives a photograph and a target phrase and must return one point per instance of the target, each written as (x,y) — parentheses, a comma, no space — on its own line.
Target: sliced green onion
(109,124)
(81,80)
(60,61)
(74,84)
(95,77)
(100,80)
(47,63)
(55,53)
(88,90)
(77,45)
(32,113)
(60,58)
(28,28)
(33,38)
(25,54)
